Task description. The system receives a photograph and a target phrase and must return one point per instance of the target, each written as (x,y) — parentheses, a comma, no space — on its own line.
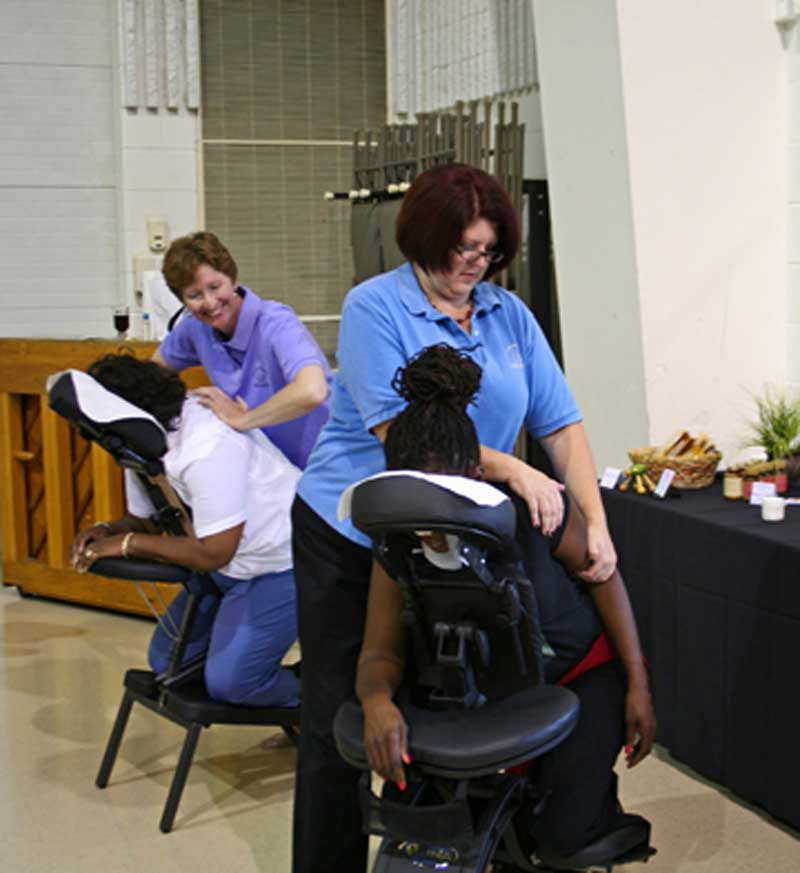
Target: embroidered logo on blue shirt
(514,356)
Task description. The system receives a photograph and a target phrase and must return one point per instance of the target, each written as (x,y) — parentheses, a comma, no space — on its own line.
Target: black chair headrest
(407,500)
(105,417)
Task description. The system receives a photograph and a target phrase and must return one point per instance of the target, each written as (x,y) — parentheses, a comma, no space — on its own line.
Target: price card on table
(760,491)
(664,482)
(610,477)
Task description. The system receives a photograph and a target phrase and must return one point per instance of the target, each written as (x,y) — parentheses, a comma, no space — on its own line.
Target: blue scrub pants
(245,633)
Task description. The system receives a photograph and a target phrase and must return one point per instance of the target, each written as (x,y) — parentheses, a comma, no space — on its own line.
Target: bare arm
(304,393)
(611,600)
(380,671)
(203,554)
(104,529)
(540,492)
(571,456)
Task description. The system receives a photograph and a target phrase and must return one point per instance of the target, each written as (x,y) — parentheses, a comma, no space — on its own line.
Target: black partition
(541,293)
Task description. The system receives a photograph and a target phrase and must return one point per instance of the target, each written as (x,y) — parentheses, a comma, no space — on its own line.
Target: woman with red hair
(457,228)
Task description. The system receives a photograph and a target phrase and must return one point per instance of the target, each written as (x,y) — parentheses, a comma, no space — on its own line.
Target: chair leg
(112,747)
(179,779)
(292,733)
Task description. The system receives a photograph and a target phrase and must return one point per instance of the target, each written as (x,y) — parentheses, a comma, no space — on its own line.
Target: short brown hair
(187,253)
(441,205)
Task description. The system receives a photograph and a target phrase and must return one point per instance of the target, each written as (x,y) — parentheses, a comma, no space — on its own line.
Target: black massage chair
(138,442)
(474,699)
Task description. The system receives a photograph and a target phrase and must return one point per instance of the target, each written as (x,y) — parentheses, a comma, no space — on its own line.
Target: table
(716,593)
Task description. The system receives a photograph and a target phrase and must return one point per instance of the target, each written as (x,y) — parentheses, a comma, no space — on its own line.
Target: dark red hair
(441,205)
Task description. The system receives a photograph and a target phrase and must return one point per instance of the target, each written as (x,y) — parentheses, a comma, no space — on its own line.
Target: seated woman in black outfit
(591,639)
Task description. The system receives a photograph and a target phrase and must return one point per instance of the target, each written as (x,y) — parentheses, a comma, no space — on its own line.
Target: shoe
(628,840)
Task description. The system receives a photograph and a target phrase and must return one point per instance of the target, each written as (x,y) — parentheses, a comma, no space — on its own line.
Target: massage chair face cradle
(474,697)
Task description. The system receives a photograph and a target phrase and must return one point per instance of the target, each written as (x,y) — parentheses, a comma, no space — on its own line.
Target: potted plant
(777,431)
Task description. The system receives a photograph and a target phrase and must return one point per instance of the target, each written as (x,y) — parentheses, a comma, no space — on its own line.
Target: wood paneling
(13,501)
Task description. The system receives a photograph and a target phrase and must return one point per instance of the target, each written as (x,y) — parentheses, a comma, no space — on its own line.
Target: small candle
(773,509)
(732,486)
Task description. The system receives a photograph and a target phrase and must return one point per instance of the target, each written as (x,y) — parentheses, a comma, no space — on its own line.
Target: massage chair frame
(137,442)
(463,655)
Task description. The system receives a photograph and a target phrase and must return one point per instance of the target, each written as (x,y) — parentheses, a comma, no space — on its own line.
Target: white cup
(773,509)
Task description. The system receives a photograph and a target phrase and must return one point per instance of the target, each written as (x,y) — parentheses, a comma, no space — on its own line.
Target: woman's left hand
(600,553)
(640,724)
(232,412)
(107,547)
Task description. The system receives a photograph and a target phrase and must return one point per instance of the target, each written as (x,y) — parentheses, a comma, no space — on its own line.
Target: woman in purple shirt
(267,369)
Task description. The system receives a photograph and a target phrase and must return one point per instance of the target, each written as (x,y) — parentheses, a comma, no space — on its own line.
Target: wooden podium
(53,482)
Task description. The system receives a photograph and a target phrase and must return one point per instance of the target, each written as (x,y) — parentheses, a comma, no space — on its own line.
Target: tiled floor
(59,689)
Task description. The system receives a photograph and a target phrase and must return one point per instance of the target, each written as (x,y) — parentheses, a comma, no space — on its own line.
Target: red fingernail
(401,786)
(628,749)
(406,758)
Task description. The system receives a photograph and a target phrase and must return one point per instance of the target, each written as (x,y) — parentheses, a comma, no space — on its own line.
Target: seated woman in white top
(239,487)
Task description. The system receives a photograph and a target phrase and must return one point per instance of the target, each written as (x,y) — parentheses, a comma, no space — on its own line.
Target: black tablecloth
(716,593)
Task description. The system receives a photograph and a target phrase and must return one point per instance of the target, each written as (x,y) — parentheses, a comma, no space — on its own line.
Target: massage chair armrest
(138,570)
(462,744)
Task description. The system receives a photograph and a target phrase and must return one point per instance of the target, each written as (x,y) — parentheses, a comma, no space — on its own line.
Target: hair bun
(439,374)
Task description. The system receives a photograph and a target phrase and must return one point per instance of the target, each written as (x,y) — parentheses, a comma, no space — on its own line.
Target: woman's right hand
(385,738)
(541,493)
(232,412)
(90,535)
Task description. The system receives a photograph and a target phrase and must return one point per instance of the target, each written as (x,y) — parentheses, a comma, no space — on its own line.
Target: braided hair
(434,433)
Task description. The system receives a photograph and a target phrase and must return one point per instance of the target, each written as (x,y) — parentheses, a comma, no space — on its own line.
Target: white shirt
(227,478)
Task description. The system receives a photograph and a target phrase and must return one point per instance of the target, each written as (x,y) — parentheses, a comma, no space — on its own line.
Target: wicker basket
(689,472)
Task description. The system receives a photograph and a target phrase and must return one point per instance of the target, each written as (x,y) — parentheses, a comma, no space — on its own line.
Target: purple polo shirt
(268,348)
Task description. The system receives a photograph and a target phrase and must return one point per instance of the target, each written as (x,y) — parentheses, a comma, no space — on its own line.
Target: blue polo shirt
(267,350)
(386,321)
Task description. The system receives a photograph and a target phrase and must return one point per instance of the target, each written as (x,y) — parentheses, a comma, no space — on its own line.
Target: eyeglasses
(472,253)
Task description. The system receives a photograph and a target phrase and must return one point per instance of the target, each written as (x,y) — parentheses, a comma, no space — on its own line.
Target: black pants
(578,774)
(332,576)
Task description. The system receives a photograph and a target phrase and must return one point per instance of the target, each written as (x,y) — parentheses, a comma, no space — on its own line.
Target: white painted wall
(79,173)
(665,133)
(159,174)
(58,203)
(792,41)
(705,103)
(587,170)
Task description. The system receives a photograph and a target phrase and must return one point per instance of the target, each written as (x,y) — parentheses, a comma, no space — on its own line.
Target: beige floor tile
(60,684)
